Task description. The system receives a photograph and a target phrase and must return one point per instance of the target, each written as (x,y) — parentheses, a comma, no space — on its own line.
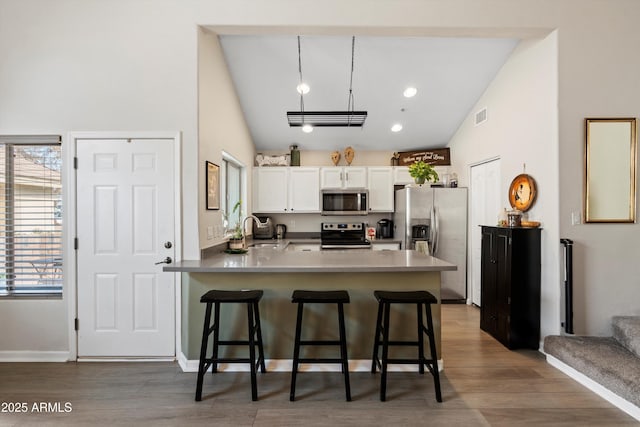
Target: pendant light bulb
(410,92)
(303,88)
(307,128)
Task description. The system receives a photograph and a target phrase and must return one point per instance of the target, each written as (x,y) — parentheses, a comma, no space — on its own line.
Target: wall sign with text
(435,157)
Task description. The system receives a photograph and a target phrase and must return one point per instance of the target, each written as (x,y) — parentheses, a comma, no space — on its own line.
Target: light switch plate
(209,233)
(576,218)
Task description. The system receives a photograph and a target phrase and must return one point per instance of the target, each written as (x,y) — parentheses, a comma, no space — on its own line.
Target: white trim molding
(69,232)
(34,356)
(598,389)
(285,365)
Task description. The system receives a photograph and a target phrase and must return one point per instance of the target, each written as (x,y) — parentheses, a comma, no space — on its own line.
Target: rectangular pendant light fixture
(327,118)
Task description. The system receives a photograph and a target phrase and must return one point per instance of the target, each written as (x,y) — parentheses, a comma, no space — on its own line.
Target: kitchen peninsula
(278,271)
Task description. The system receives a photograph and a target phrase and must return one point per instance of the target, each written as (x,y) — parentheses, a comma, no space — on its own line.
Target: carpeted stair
(613,362)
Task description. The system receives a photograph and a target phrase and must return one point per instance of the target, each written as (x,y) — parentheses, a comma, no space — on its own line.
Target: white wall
(132,65)
(521,128)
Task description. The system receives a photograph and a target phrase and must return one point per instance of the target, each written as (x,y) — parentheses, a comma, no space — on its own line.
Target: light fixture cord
(350,101)
(300,73)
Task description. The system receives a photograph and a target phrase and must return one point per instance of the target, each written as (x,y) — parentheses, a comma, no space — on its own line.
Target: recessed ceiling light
(303,88)
(410,92)
(307,128)
(396,128)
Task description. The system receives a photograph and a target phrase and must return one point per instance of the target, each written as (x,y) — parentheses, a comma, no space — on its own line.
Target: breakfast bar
(278,272)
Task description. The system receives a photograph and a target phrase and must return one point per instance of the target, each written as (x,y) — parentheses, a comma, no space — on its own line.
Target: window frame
(44,290)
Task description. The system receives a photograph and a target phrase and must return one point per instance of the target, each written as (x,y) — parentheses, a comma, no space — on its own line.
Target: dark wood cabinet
(510,282)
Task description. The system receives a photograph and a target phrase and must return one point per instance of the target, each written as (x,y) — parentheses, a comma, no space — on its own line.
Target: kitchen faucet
(259,223)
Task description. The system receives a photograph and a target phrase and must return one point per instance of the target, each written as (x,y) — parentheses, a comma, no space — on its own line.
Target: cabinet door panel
(304,190)
(270,190)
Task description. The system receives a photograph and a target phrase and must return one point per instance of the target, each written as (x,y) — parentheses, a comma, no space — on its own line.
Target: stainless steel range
(344,235)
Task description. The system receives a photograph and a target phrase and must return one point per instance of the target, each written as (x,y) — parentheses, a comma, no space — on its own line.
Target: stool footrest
(401,343)
(409,362)
(320,342)
(316,360)
(229,360)
(234,342)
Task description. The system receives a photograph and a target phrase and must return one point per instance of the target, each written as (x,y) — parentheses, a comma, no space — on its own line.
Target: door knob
(167,260)
(168,245)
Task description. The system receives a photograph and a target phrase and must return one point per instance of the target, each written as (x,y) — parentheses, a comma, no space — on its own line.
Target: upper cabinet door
(355,177)
(331,177)
(380,184)
(304,189)
(270,189)
(343,177)
(401,175)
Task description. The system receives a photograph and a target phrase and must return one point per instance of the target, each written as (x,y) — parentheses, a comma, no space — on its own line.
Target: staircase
(611,363)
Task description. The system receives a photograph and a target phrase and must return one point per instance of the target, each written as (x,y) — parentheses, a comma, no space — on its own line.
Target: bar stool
(420,298)
(217,297)
(320,297)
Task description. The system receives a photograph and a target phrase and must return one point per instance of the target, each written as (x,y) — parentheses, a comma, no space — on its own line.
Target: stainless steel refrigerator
(437,215)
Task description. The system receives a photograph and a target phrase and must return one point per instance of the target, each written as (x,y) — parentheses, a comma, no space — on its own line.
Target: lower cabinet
(510,282)
(385,246)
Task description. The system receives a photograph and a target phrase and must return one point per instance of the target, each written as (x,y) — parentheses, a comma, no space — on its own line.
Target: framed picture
(212,179)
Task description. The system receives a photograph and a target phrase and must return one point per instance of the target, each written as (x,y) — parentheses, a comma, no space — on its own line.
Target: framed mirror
(610,170)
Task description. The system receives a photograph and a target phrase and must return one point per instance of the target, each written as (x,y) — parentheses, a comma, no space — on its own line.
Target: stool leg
(434,355)
(216,338)
(259,332)
(343,351)
(203,352)
(296,353)
(376,340)
(421,359)
(252,353)
(385,353)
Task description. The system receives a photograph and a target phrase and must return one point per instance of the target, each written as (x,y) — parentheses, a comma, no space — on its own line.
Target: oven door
(341,202)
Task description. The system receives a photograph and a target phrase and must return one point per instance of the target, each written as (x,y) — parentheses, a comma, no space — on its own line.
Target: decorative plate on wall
(522,192)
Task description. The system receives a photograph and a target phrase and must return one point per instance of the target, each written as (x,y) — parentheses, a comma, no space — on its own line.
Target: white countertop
(279,260)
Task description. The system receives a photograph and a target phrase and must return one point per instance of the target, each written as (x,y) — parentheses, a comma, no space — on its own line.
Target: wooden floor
(483,384)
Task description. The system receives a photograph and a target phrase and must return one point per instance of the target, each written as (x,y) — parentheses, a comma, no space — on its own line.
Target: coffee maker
(384,229)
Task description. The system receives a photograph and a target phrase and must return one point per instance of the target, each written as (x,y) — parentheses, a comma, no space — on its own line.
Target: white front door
(125,225)
(485,209)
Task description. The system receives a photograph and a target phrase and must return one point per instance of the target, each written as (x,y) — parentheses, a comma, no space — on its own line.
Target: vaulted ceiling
(450,75)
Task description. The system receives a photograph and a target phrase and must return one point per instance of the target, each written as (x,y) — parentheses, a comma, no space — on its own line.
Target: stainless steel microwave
(345,202)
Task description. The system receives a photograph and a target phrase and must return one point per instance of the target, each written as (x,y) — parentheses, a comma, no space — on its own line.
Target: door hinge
(76,324)
(75,163)
(75,243)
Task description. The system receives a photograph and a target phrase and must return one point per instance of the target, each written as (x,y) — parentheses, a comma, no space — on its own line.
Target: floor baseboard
(284,365)
(601,391)
(34,356)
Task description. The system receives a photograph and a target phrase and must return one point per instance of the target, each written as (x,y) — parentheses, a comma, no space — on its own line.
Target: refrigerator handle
(436,231)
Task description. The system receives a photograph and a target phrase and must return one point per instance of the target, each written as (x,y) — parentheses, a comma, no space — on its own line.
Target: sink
(264,245)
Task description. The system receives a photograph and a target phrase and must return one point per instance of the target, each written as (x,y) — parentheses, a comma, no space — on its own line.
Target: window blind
(30,215)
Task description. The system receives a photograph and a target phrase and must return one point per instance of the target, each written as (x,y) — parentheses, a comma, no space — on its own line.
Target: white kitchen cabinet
(401,175)
(286,189)
(380,185)
(270,189)
(304,189)
(343,177)
(390,246)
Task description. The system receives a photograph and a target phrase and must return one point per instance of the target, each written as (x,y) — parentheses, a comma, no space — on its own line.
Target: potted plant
(236,239)
(421,172)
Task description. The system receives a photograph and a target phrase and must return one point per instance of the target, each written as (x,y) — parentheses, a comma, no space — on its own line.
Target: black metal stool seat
(215,298)
(420,298)
(322,297)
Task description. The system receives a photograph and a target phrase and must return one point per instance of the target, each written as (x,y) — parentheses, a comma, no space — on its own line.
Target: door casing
(69,185)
